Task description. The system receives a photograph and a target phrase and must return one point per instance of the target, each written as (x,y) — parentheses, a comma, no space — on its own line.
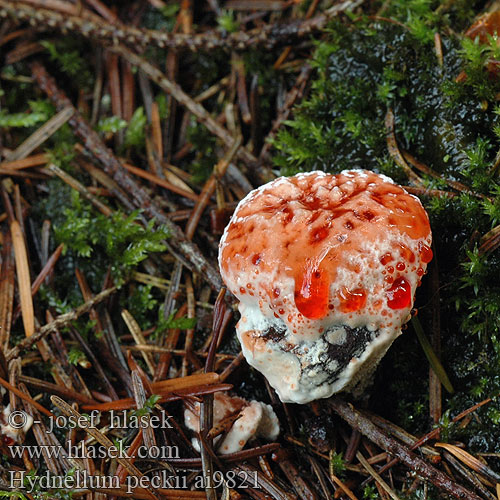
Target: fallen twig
(41,135)
(192,257)
(358,421)
(197,109)
(95,28)
(61,321)
(394,152)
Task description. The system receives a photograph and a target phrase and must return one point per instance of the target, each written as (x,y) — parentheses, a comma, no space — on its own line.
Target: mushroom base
(342,359)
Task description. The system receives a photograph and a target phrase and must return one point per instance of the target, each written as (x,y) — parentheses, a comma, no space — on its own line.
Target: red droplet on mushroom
(399,295)
(312,292)
(386,258)
(352,300)
(425,253)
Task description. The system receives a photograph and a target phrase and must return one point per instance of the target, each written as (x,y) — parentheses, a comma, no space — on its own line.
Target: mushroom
(10,432)
(254,419)
(325,268)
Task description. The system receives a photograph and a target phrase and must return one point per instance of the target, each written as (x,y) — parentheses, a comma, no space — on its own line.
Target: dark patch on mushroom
(275,334)
(355,343)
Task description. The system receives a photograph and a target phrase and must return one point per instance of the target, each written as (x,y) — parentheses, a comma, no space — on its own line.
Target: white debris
(255,419)
(14,425)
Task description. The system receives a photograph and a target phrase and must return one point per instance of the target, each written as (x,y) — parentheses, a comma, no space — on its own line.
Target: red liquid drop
(352,300)
(400,266)
(312,293)
(386,258)
(399,295)
(256,259)
(426,254)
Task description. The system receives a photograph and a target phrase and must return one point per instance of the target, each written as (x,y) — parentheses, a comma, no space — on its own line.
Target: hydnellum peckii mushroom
(247,420)
(325,268)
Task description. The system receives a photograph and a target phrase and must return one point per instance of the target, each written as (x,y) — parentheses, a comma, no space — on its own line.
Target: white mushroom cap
(256,419)
(16,434)
(325,268)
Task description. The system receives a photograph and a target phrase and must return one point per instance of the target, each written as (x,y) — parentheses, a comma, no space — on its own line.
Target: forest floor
(129,131)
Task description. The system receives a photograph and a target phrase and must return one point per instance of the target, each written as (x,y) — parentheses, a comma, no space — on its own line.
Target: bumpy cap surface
(325,268)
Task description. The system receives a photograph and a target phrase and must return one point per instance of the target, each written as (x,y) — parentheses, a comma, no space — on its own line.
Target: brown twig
(435,387)
(93,27)
(209,189)
(292,96)
(394,152)
(195,108)
(43,385)
(192,257)
(283,458)
(490,241)
(101,439)
(7,279)
(169,396)
(160,182)
(26,398)
(23,278)
(31,161)
(426,170)
(358,421)
(41,135)
(436,432)
(206,406)
(59,322)
(78,186)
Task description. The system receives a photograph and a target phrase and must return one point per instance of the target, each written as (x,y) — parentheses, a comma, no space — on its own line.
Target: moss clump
(96,245)
(450,124)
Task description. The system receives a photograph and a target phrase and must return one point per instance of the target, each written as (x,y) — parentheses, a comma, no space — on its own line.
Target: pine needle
(431,355)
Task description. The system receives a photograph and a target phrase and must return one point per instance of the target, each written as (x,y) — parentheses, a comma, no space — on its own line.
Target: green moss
(140,303)
(227,22)
(40,111)
(67,53)
(337,463)
(119,240)
(451,124)
(135,133)
(164,324)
